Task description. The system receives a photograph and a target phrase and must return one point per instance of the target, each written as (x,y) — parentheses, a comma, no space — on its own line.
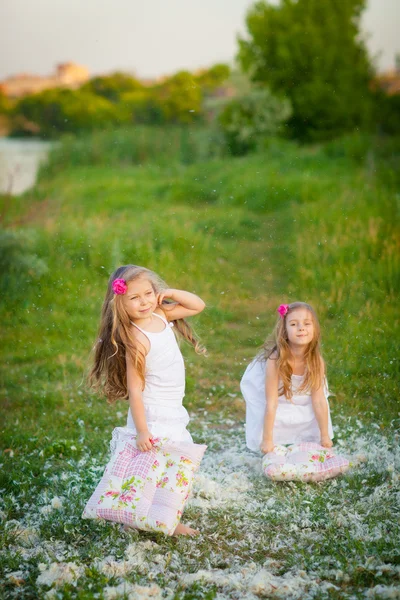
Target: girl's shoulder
(271,365)
(159,311)
(140,337)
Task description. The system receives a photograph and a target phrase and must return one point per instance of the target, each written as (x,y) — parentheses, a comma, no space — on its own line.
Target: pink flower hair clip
(283,309)
(119,286)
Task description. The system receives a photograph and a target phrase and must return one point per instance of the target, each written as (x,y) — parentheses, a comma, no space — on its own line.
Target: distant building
(389,81)
(68,75)
(71,75)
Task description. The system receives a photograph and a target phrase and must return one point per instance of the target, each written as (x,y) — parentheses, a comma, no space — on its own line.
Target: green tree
(387,112)
(180,97)
(113,86)
(58,111)
(5,104)
(144,107)
(209,79)
(312,51)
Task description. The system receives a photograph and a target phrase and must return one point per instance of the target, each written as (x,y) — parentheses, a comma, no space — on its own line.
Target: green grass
(318,224)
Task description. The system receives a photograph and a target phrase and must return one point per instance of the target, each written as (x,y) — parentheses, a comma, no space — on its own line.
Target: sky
(149,38)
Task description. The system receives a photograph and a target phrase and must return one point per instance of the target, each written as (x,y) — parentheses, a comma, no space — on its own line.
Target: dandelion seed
(46,510)
(56,503)
(60,573)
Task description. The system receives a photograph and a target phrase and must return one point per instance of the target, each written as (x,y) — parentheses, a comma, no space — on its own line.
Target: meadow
(315,223)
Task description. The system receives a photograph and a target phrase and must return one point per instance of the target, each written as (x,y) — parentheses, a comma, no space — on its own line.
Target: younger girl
(137,356)
(285,387)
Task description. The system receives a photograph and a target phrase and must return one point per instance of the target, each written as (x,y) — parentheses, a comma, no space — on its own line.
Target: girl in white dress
(137,356)
(285,387)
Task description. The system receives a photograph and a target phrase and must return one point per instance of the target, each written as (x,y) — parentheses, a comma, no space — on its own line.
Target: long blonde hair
(115,342)
(276,347)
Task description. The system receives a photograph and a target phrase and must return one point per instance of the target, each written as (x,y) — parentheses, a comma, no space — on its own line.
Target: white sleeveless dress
(295,419)
(164,386)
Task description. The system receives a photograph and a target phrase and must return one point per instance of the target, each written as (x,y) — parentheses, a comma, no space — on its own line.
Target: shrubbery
(19,264)
(248,120)
(58,111)
(115,99)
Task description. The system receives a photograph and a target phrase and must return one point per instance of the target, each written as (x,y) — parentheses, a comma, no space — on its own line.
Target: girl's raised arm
(271,398)
(134,385)
(185,304)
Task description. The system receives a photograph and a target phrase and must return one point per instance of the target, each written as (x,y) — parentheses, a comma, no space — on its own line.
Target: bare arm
(134,384)
(185,304)
(320,406)
(271,397)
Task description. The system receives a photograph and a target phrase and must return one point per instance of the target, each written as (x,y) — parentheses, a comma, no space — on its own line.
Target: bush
(134,145)
(58,111)
(19,264)
(387,113)
(143,107)
(247,120)
(112,87)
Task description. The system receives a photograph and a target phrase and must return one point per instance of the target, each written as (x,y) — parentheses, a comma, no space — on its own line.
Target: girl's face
(300,327)
(140,299)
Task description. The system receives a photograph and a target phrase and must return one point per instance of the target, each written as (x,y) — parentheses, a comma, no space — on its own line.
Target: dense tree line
(118,99)
(310,77)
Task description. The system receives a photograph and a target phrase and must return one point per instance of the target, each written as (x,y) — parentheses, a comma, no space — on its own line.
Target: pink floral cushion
(145,490)
(306,461)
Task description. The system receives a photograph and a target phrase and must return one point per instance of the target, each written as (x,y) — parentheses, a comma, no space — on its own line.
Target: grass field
(318,224)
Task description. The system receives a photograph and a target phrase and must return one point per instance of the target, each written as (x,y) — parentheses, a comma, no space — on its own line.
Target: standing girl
(285,386)
(137,358)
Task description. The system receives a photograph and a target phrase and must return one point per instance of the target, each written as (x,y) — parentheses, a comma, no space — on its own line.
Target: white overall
(295,420)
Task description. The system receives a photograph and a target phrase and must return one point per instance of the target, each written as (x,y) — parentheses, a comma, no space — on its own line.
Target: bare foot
(185,530)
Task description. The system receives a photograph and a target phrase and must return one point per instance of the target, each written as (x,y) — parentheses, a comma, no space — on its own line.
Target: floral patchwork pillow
(146,490)
(306,461)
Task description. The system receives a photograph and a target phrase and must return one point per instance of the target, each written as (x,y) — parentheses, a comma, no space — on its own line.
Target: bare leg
(179,530)
(185,530)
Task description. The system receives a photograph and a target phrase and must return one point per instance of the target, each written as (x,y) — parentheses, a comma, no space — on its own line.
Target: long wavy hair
(277,348)
(116,343)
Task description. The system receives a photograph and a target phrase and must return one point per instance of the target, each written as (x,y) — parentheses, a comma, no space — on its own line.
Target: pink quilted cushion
(146,490)
(306,461)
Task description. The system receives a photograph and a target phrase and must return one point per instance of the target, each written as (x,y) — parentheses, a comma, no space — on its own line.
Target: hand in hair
(184,304)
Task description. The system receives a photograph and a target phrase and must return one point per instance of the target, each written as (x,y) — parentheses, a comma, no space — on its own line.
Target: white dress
(164,387)
(295,419)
